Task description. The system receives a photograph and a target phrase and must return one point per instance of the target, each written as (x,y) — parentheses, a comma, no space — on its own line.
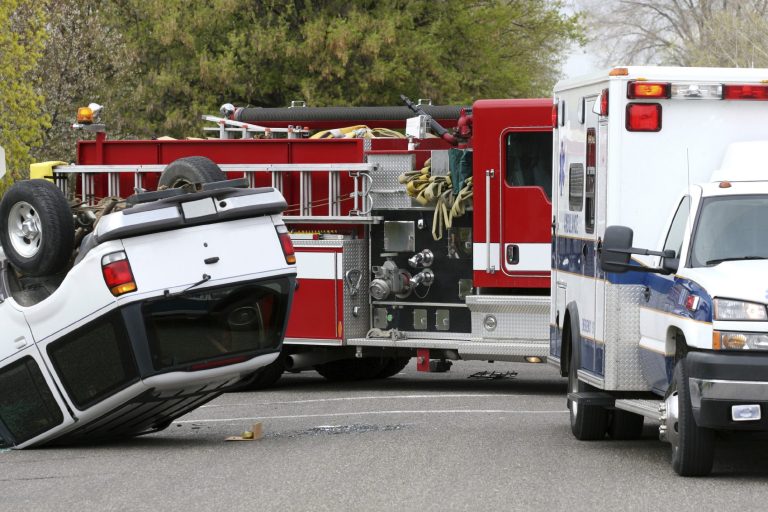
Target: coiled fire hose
(438,190)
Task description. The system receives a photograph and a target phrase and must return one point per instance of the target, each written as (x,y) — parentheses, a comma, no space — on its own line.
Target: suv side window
(674,239)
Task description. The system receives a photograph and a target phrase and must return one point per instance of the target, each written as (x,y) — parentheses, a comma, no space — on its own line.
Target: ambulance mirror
(2,162)
(615,252)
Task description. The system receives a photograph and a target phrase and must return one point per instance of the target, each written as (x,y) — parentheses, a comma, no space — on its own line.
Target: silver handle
(489,173)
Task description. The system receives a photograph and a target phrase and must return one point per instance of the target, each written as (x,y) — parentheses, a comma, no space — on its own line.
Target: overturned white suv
(161,307)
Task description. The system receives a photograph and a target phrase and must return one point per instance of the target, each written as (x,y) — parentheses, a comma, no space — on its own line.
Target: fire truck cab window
(529,160)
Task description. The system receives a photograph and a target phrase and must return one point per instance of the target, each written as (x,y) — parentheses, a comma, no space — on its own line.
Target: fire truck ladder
(360,173)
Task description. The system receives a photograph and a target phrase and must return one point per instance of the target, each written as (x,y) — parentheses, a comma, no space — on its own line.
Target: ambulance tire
(345,370)
(266,377)
(693,447)
(625,425)
(393,366)
(588,422)
(190,169)
(37,231)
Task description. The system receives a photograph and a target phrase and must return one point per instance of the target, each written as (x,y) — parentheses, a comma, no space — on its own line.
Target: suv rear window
(212,324)
(95,361)
(27,407)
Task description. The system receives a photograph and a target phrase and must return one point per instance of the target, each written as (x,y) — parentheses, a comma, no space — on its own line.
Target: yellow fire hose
(437,190)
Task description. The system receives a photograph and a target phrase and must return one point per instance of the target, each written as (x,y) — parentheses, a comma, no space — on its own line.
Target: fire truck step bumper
(520,351)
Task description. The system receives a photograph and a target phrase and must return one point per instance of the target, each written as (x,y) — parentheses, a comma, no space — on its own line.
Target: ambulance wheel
(693,447)
(588,422)
(344,370)
(625,425)
(393,366)
(37,231)
(188,170)
(266,377)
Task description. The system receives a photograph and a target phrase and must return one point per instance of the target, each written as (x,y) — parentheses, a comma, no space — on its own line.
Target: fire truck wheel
(625,425)
(393,366)
(191,169)
(37,231)
(344,370)
(693,447)
(266,377)
(588,422)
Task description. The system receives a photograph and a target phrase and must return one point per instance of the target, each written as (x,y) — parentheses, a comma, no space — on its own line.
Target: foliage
(680,32)
(84,60)
(22,35)
(192,57)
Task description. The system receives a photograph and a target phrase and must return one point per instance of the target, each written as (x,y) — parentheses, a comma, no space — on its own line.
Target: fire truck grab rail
(359,172)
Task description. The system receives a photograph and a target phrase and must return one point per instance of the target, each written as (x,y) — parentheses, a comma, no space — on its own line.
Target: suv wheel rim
(25,229)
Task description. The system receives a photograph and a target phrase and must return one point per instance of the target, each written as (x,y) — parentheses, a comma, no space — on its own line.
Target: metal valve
(426,277)
(389,279)
(423,259)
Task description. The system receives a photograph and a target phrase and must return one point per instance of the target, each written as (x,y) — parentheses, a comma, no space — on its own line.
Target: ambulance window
(674,239)
(529,160)
(575,187)
(27,406)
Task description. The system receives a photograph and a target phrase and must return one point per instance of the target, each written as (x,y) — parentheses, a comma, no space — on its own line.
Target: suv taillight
(286,244)
(117,273)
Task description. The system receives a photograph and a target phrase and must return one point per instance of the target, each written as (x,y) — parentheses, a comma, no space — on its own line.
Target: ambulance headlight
(727,309)
(724,340)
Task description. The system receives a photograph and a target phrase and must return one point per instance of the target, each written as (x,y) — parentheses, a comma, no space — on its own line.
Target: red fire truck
(429,247)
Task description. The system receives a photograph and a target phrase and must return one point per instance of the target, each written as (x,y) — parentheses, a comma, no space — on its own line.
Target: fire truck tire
(190,169)
(693,447)
(344,370)
(625,425)
(588,422)
(266,377)
(37,231)
(393,366)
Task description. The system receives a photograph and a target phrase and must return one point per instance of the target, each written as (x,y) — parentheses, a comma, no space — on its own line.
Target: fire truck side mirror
(616,249)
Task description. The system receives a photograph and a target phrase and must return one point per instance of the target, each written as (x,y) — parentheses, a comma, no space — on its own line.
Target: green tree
(84,60)
(22,35)
(193,56)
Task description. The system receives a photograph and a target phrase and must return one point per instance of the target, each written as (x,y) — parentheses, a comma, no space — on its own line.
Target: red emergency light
(554,115)
(643,117)
(745,92)
(640,90)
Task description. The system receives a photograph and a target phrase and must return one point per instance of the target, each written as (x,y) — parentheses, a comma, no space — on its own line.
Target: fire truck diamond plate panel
(386,191)
(504,318)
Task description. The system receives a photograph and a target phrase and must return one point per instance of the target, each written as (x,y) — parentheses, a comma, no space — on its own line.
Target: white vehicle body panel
(625,332)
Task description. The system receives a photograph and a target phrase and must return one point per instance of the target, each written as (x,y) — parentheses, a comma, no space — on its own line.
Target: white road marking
(379,397)
(365,413)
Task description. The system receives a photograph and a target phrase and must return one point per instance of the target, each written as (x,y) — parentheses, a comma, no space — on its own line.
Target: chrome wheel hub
(669,429)
(25,229)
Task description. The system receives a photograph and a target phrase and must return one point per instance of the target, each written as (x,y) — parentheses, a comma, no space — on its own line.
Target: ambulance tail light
(287,245)
(117,273)
(650,90)
(604,103)
(745,92)
(643,117)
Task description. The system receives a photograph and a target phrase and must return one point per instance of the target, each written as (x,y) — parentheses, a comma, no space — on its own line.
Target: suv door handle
(20,342)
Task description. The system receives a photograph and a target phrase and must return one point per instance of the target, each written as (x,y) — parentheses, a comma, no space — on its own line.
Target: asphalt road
(413,442)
